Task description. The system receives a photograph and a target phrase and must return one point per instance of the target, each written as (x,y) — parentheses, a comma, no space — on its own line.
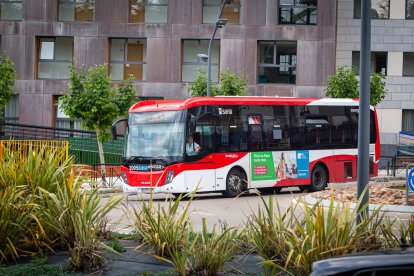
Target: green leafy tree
(344,84)
(230,85)
(7,80)
(96,102)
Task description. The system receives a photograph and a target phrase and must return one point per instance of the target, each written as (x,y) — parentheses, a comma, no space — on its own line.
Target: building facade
(392,52)
(284,47)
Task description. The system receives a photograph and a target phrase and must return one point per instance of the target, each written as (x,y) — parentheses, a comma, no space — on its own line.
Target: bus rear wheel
(319,179)
(236,183)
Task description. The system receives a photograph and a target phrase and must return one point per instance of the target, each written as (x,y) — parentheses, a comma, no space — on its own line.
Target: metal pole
(209,51)
(364,111)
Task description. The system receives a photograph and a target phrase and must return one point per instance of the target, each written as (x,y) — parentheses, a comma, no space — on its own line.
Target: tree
(344,84)
(7,80)
(96,102)
(230,85)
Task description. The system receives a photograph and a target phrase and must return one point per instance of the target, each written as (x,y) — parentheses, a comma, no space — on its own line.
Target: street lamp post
(220,22)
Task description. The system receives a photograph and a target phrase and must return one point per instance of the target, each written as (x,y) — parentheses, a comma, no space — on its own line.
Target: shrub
(18,223)
(164,229)
(292,241)
(212,250)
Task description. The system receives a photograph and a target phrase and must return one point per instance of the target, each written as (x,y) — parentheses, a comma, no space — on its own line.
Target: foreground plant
(74,218)
(164,229)
(18,223)
(292,241)
(212,250)
(266,233)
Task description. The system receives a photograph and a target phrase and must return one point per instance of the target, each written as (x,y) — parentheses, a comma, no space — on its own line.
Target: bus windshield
(156,135)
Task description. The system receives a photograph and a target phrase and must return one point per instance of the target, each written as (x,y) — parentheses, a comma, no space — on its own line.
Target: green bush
(43,206)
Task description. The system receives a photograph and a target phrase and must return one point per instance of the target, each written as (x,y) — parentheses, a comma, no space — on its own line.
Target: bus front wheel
(319,179)
(236,183)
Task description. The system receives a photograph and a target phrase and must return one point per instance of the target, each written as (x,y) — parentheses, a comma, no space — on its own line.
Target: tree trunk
(101,158)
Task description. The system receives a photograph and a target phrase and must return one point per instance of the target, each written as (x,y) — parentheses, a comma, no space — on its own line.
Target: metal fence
(22,148)
(81,144)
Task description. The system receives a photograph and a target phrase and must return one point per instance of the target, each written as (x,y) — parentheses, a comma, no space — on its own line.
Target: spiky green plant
(18,224)
(266,232)
(163,228)
(212,250)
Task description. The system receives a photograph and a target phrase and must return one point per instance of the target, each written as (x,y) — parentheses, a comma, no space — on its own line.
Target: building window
(378,62)
(10,113)
(191,61)
(76,10)
(277,62)
(408,64)
(409,9)
(380,9)
(231,11)
(62,120)
(54,57)
(11,9)
(148,11)
(301,12)
(128,57)
(408,121)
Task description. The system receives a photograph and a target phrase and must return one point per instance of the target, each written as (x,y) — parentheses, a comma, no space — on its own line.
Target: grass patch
(34,270)
(117,246)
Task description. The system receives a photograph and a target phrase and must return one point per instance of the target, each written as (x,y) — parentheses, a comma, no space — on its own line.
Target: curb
(310,200)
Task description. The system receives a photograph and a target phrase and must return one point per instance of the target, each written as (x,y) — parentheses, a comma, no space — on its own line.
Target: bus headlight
(124,178)
(170,177)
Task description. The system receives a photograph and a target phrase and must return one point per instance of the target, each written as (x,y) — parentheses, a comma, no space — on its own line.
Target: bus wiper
(165,160)
(133,158)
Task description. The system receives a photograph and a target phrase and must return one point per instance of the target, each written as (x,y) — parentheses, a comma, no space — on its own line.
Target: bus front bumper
(131,190)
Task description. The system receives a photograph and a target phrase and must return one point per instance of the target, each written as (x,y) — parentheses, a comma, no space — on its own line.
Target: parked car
(378,263)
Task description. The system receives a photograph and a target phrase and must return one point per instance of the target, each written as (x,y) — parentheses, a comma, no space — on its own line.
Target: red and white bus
(244,143)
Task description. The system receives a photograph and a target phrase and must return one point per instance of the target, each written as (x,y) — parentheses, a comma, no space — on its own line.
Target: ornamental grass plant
(164,229)
(43,207)
(290,242)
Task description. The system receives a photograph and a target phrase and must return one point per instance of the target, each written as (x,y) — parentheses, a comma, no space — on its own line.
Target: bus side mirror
(113,128)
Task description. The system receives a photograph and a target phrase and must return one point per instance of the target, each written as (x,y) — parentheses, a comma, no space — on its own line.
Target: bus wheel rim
(234,182)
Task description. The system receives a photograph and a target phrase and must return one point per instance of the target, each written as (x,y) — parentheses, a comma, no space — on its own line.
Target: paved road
(213,207)
(216,208)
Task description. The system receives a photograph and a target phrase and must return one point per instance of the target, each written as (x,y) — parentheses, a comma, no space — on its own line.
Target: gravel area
(378,194)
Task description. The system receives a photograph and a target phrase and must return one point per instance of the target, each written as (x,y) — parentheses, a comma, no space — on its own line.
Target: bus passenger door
(200,173)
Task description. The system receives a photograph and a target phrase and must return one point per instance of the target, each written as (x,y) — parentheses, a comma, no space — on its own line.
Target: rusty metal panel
(272,12)
(180,11)
(159,59)
(75,29)
(112,11)
(197,11)
(253,12)
(250,63)
(176,48)
(234,31)
(328,60)
(14,47)
(327,13)
(166,90)
(112,29)
(89,50)
(38,28)
(55,87)
(32,113)
(185,31)
(11,27)
(309,63)
(231,51)
(28,86)
(34,10)
(279,90)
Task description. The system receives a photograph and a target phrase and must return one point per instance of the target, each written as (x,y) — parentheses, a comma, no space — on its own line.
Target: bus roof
(162,105)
